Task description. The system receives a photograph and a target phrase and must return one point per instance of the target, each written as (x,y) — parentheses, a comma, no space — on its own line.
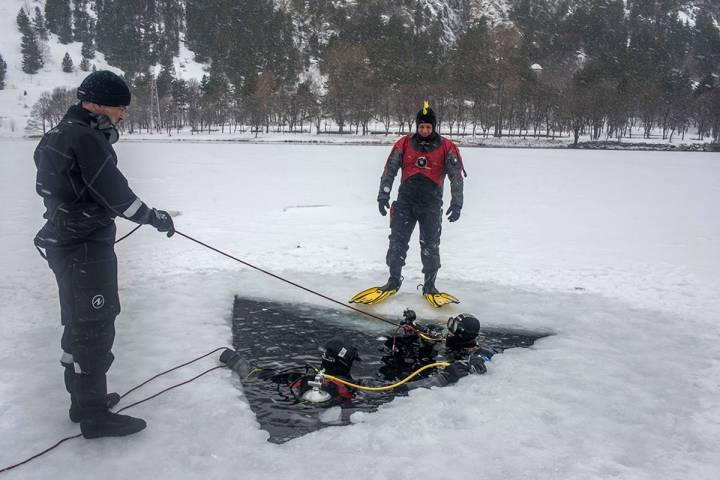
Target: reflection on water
(286,337)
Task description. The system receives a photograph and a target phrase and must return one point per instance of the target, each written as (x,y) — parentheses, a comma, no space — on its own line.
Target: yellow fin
(438,300)
(373,295)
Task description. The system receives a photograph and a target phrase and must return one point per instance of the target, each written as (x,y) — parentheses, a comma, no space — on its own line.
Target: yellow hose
(386,387)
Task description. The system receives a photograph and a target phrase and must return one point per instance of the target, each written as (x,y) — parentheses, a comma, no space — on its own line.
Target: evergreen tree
(81,21)
(88,49)
(126,32)
(85,65)
(40,25)
(199,17)
(172,17)
(23,22)
(67,63)
(3,70)
(706,43)
(59,19)
(52,15)
(30,48)
(166,77)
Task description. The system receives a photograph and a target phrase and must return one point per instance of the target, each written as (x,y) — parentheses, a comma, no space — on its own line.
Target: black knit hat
(426,115)
(104,88)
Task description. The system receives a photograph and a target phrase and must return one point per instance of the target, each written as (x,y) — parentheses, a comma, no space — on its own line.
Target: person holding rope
(84,191)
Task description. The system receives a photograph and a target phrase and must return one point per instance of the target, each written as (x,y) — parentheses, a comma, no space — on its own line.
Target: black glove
(162,220)
(485,352)
(453,213)
(476,365)
(456,371)
(383,205)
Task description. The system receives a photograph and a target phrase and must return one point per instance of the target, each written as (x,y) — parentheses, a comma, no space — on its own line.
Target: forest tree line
(603,68)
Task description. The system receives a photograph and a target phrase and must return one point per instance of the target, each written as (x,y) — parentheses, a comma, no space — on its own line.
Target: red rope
(39,454)
(170,388)
(168,371)
(132,404)
(377,317)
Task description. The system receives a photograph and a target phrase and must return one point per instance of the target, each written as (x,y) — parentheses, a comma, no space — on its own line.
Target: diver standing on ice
(83,191)
(425,159)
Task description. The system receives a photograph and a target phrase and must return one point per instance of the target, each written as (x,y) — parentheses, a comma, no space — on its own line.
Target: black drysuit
(83,192)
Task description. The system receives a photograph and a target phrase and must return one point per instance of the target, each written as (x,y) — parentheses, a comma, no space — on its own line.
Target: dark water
(286,336)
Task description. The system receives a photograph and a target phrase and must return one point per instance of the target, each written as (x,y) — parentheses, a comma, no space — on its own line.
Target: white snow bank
(614,252)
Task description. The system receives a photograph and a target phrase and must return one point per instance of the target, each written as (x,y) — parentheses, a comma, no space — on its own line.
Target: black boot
(429,284)
(111,400)
(393,283)
(108,424)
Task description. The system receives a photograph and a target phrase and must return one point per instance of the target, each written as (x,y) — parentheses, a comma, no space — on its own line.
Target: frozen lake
(615,252)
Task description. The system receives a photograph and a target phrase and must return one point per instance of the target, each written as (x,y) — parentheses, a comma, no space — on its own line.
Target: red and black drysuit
(424,162)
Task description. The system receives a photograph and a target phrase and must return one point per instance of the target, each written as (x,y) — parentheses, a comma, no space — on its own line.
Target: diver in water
(464,350)
(337,358)
(411,346)
(337,361)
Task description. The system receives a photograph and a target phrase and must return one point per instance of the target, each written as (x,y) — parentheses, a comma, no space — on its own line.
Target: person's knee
(92,361)
(91,346)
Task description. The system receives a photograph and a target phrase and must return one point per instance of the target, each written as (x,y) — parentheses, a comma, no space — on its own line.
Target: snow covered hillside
(614,252)
(23,90)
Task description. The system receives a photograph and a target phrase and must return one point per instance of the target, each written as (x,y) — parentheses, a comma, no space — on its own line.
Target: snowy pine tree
(706,41)
(132,47)
(166,77)
(67,63)
(40,24)
(81,20)
(88,49)
(30,48)
(3,70)
(85,65)
(23,22)
(51,15)
(58,17)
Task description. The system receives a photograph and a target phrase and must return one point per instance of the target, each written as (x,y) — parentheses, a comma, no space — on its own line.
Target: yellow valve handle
(425,337)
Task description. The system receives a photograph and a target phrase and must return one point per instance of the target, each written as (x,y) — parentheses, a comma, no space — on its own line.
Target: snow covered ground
(615,252)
